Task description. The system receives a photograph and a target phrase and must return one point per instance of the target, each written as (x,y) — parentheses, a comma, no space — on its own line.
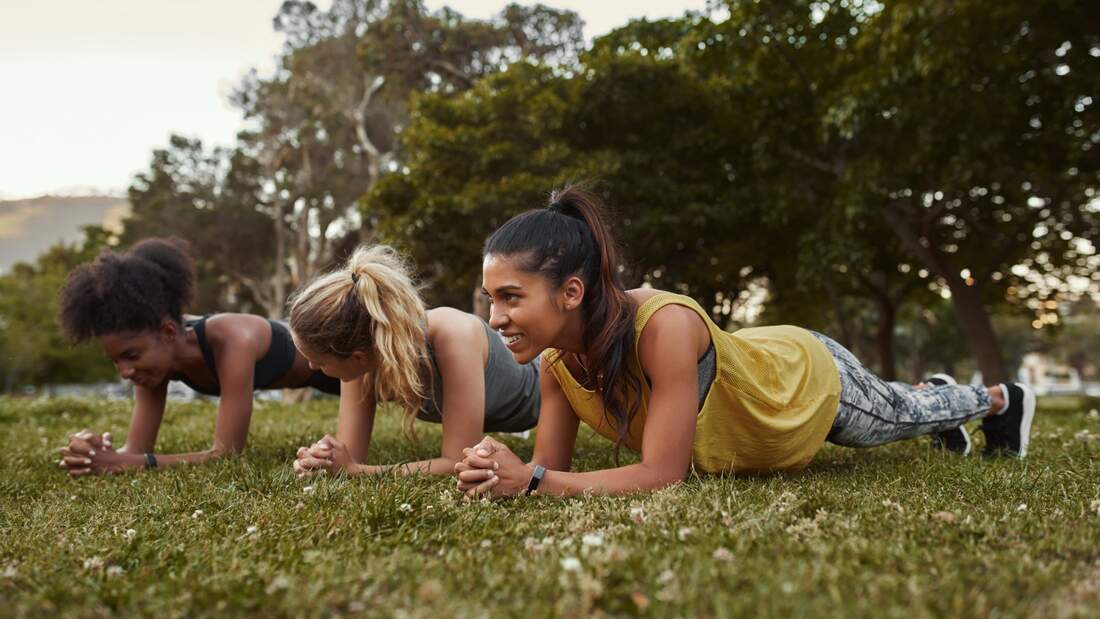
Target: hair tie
(557,207)
(354,278)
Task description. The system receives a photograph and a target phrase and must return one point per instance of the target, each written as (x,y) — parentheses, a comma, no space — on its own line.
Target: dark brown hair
(572,237)
(132,291)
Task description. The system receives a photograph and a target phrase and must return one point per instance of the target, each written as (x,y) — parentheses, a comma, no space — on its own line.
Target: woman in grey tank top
(366,325)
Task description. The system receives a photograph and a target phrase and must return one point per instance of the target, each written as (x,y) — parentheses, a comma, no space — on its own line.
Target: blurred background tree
(917,179)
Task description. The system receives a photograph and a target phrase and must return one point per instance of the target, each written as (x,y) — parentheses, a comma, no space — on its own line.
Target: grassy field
(899,531)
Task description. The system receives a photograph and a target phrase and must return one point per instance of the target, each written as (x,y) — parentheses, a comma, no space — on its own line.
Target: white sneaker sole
(969,443)
(947,378)
(1028,417)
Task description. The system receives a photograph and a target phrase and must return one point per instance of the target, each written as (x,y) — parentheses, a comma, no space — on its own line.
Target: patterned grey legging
(874,412)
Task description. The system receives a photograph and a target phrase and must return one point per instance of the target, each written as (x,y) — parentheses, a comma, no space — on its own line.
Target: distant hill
(29,227)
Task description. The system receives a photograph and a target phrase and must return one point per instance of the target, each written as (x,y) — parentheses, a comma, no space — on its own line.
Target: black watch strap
(536,478)
(150,461)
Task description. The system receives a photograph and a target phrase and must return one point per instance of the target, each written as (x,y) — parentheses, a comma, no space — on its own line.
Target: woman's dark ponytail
(572,237)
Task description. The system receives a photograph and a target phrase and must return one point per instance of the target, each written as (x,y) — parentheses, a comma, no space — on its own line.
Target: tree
(325,124)
(971,123)
(32,349)
(208,198)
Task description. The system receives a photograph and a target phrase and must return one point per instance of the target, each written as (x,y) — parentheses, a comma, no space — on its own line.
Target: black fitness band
(150,461)
(536,477)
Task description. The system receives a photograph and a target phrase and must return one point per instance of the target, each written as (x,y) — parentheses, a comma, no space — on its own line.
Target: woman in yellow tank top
(650,371)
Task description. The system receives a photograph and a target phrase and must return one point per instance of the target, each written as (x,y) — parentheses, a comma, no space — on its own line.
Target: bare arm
(236,365)
(460,345)
(556,435)
(145,420)
(668,357)
(355,421)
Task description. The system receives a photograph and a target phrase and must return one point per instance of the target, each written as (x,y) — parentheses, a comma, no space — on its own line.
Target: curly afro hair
(134,291)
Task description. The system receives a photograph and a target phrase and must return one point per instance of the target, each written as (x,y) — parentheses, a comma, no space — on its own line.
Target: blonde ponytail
(372,305)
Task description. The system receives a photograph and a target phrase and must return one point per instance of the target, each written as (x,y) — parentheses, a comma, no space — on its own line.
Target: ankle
(996,394)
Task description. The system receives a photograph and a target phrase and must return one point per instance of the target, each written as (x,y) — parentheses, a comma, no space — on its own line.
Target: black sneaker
(955,440)
(1008,433)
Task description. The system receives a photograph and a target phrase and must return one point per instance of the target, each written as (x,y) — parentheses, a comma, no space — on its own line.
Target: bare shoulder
(447,325)
(237,329)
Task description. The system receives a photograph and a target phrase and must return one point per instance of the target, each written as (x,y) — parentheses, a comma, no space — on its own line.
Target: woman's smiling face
(141,357)
(527,311)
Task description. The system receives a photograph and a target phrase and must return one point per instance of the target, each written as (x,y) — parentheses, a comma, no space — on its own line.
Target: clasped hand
(90,453)
(491,470)
(326,455)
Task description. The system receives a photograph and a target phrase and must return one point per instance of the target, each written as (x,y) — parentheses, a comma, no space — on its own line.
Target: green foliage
(32,349)
(848,155)
(899,531)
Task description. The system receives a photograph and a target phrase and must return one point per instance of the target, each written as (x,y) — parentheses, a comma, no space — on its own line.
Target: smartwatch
(536,477)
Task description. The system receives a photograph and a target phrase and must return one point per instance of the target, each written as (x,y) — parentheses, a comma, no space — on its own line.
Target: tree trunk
(278,278)
(977,328)
(842,320)
(884,340)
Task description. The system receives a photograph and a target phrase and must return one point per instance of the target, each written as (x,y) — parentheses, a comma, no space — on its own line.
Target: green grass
(899,531)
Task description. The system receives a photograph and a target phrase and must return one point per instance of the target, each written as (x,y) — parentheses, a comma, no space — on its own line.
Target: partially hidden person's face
(145,358)
(526,309)
(341,368)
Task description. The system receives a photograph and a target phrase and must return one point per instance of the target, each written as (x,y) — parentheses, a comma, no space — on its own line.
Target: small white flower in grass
(722,554)
(10,571)
(278,583)
(945,516)
(93,563)
(592,539)
(72,498)
(1022,507)
(307,489)
(197,514)
(1095,507)
(251,529)
(1094,414)
(788,588)
(113,571)
(486,543)
(571,564)
(130,534)
(405,507)
(684,533)
(637,514)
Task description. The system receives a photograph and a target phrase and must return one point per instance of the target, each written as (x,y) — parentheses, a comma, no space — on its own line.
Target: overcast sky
(90,88)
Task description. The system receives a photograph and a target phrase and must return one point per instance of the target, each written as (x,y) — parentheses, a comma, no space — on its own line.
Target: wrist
(360,469)
(535,479)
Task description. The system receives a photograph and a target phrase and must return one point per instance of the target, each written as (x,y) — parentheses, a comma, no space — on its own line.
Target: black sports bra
(273,366)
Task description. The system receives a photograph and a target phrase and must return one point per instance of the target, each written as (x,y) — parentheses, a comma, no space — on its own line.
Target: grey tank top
(511,390)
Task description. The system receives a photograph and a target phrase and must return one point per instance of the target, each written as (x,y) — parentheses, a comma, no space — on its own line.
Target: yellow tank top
(770,407)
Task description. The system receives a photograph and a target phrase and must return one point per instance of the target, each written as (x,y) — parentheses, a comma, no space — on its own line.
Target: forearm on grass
(621,480)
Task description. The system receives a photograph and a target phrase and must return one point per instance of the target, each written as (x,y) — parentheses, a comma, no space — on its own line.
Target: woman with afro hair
(132,303)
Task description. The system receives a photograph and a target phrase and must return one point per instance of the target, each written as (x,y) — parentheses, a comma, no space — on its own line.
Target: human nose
(498,318)
(125,370)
